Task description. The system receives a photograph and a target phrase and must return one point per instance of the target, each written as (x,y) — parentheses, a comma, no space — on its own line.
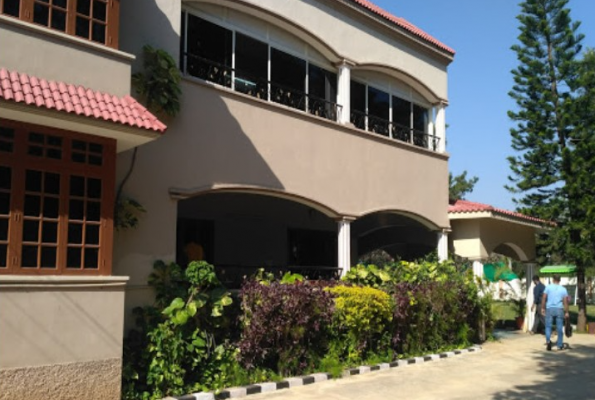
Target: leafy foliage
(284,326)
(360,322)
(176,350)
(553,137)
(459,186)
(159,83)
(126,213)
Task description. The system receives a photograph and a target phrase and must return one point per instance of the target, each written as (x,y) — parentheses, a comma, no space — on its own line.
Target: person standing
(554,305)
(538,290)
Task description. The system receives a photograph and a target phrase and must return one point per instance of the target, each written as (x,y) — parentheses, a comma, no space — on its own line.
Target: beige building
(312,132)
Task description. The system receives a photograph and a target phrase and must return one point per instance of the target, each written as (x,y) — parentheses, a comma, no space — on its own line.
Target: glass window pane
(99,8)
(3,255)
(79,145)
(5,178)
(378,103)
(6,146)
(91,258)
(48,257)
(93,211)
(358,97)
(83,7)
(32,206)
(92,235)
(3,229)
(75,233)
(49,232)
(54,141)
(76,210)
(420,118)
(59,20)
(41,14)
(60,3)
(251,66)
(11,7)
(98,32)
(30,231)
(401,112)
(29,256)
(94,188)
(288,79)
(209,41)
(36,138)
(51,207)
(4,203)
(52,183)
(95,148)
(33,181)
(77,186)
(82,27)
(73,257)
(322,83)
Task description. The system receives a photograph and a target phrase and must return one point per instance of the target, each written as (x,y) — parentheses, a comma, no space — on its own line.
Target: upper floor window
(95,20)
(56,201)
(251,66)
(379,111)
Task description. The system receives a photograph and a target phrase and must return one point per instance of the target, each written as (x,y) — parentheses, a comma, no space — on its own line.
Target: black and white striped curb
(287,383)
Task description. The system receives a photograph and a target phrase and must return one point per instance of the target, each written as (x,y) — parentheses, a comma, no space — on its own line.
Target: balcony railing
(393,130)
(242,82)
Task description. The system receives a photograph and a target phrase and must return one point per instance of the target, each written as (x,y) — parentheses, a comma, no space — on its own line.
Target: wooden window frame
(112,19)
(20,161)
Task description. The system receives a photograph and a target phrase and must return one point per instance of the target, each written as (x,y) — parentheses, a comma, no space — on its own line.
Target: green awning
(558,269)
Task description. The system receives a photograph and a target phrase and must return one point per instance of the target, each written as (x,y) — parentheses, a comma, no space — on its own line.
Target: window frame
(19,162)
(112,19)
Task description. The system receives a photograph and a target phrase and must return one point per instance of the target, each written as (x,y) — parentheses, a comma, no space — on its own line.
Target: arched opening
(386,235)
(511,250)
(240,232)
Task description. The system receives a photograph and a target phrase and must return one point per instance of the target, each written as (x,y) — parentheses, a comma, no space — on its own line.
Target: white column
(442,246)
(478,269)
(440,125)
(530,315)
(344,246)
(344,92)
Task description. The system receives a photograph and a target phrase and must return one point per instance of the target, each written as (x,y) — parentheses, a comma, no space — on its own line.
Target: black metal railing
(232,276)
(384,127)
(258,87)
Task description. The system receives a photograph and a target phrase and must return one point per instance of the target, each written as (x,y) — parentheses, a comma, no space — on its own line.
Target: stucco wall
(53,55)
(61,337)
(477,238)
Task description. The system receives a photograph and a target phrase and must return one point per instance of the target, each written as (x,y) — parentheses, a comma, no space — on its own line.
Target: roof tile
(402,23)
(465,206)
(75,99)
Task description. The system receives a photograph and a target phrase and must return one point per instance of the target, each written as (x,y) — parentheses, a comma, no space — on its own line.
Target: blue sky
(481,32)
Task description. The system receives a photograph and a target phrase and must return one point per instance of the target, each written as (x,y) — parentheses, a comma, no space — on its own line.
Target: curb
(287,383)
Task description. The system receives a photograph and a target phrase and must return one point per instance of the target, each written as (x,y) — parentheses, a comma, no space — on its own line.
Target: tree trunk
(581,324)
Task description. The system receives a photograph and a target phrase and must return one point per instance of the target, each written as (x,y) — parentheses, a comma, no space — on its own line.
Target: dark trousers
(538,320)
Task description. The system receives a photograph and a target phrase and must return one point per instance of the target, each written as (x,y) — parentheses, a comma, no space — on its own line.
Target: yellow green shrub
(361,321)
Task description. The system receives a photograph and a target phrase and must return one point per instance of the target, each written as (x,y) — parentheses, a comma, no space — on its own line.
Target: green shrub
(361,322)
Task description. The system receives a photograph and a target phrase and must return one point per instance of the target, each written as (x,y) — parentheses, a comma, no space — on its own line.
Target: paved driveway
(515,367)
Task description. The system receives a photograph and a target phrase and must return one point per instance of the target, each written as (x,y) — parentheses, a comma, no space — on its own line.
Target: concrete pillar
(478,269)
(442,246)
(344,92)
(530,270)
(440,126)
(344,245)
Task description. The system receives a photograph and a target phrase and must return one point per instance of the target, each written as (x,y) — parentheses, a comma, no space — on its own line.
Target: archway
(240,232)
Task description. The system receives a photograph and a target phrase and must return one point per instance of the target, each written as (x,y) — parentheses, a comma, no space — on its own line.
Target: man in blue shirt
(538,290)
(555,305)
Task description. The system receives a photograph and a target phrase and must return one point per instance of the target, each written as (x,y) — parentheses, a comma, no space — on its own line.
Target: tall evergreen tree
(459,186)
(547,133)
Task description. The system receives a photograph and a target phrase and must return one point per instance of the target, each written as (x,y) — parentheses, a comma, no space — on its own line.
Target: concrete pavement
(517,366)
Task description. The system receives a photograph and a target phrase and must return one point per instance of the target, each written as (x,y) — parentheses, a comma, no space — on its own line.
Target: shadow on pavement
(568,374)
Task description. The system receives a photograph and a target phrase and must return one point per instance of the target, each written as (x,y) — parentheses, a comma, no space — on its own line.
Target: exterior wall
(61,336)
(52,55)
(477,238)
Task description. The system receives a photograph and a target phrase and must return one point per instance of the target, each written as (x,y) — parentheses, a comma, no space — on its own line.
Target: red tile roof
(402,23)
(63,97)
(465,206)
